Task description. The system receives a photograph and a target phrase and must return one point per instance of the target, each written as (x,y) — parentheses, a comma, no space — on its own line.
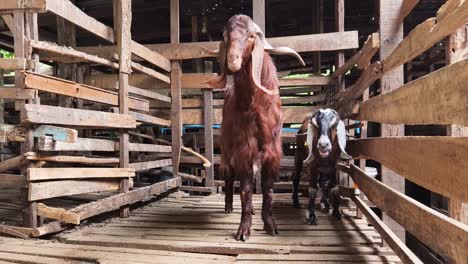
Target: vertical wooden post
(259,18)
(66,36)
(123,10)
(456,50)
(208,122)
(340,27)
(176,92)
(391,34)
(317,29)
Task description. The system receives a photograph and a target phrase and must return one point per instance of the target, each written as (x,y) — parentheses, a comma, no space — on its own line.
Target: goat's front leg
(312,220)
(243,233)
(229,189)
(335,201)
(268,175)
(298,163)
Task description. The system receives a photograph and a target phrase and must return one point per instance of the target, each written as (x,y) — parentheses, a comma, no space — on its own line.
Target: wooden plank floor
(181,229)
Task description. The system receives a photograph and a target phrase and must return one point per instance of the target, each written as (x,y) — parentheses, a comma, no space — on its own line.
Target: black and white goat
(320,151)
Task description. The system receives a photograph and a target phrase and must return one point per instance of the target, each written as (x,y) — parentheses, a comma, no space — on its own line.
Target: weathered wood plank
(402,251)
(149,119)
(45,190)
(13,180)
(150,72)
(147,165)
(428,33)
(151,56)
(13,163)
(81,91)
(423,101)
(68,11)
(58,214)
(81,144)
(148,94)
(17,93)
(36,174)
(17,64)
(135,147)
(114,202)
(362,57)
(71,159)
(442,168)
(57,133)
(444,235)
(12,133)
(42,114)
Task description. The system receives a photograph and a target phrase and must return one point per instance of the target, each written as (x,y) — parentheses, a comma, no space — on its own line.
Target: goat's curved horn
(279,50)
(310,139)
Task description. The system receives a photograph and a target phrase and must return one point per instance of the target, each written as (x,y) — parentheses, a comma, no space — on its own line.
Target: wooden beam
(176,89)
(13,163)
(135,147)
(71,159)
(259,12)
(46,190)
(37,174)
(400,249)
(42,114)
(57,133)
(148,94)
(17,93)
(12,232)
(303,99)
(116,201)
(408,212)
(196,80)
(194,50)
(56,51)
(13,181)
(362,58)
(407,7)
(17,64)
(442,156)
(58,214)
(28,6)
(148,165)
(68,11)
(339,27)
(423,101)
(81,91)
(308,81)
(81,144)
(151,56)
(148,119)
(451,16)
(150,72)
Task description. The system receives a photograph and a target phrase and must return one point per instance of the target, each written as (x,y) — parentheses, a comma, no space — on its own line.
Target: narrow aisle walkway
(173,229)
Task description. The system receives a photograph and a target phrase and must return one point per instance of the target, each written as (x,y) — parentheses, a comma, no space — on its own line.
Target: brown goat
(252,119)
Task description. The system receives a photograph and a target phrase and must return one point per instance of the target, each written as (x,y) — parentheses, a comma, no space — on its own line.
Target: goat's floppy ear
(341,133)
(220,81)
(257,64)
(310,140)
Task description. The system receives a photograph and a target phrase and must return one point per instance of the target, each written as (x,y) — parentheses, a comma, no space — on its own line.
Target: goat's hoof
(313,220)
(243,233)
(270,226)
(336,213)
(228,209)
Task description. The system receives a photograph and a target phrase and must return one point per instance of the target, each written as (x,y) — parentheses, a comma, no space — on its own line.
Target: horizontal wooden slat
(36,174)
(196,80)
(70,159)
(149,119)
(57,133)
(45,190)
(42,114)
(436,163)
(81,144)
(151,56)
(134,147)
(86,92)
(12,180)
(437,98)
(303,99)
(148,94)
(444,235)
(147,165)
(194,50)
(151,72)
(16,93)
(59,51)
(68,11)
(308,81)
(16,64)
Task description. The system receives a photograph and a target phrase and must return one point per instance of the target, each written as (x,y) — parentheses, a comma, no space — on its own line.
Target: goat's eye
(251,37)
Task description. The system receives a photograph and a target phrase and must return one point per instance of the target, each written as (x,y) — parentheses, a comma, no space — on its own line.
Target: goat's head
(244,42)
(325,128)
